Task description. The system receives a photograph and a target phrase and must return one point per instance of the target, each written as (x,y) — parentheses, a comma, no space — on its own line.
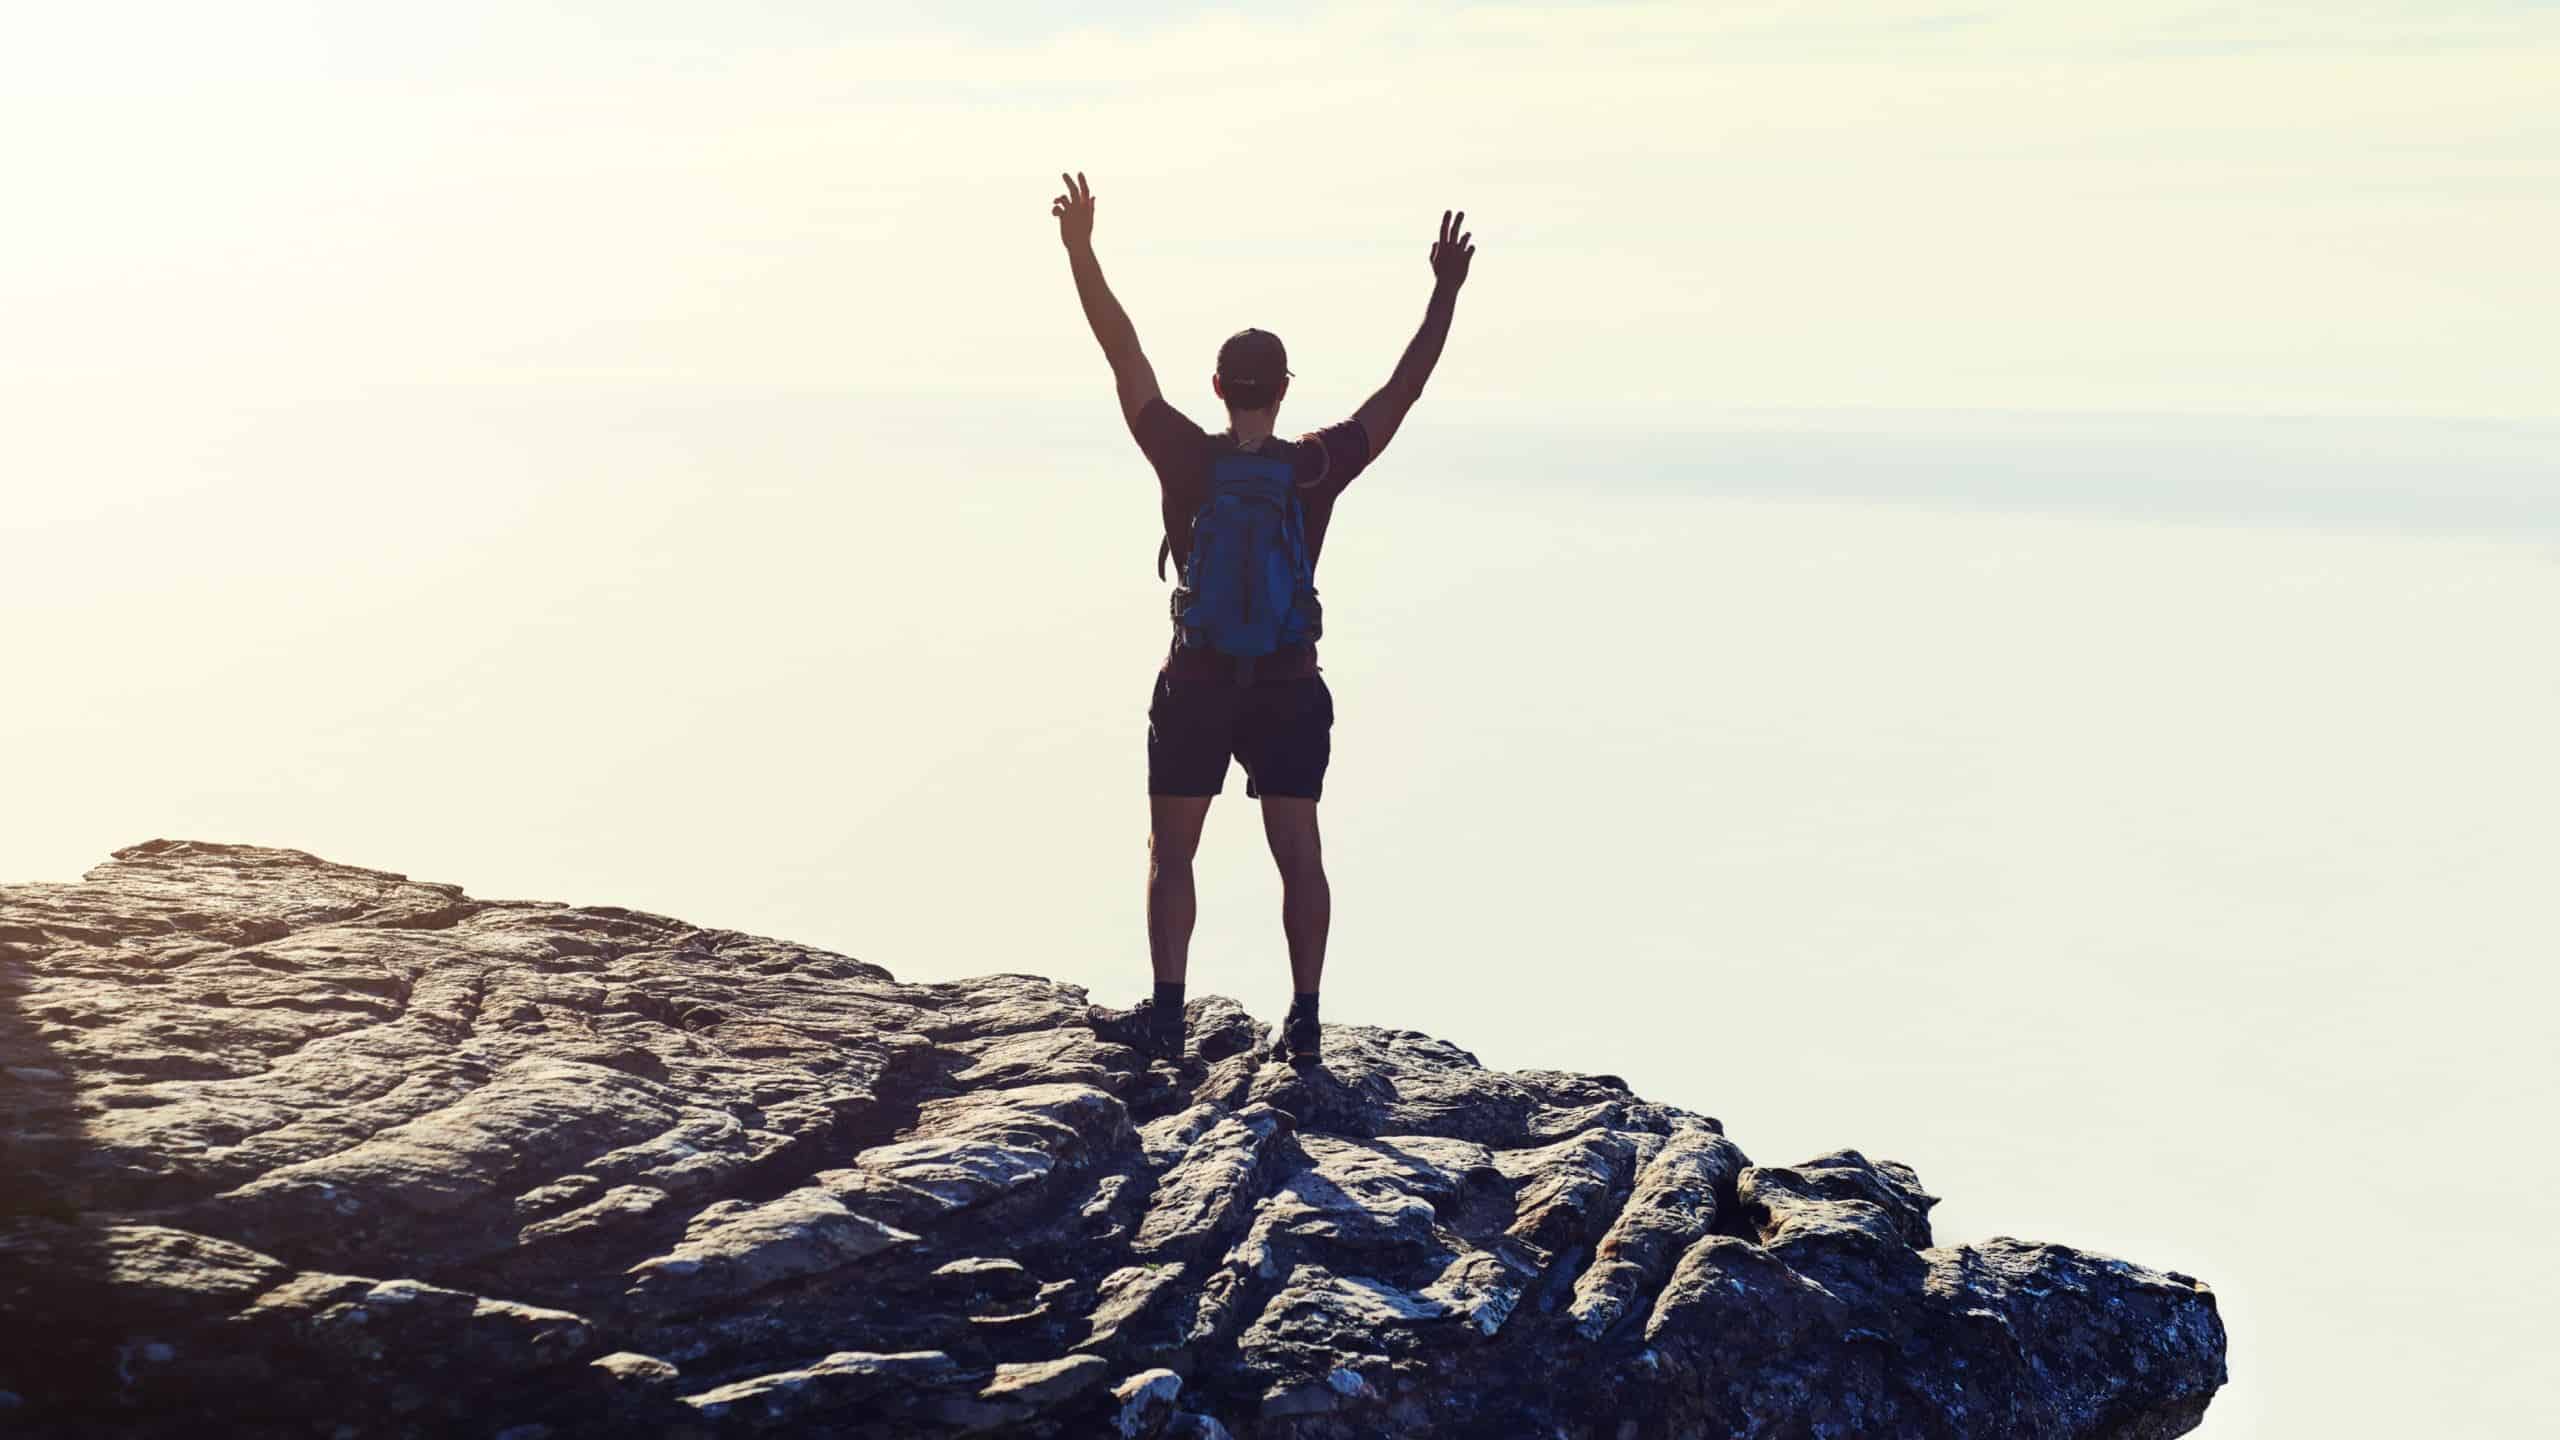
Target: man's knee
(1173,830)
(1297,846)
(1170,852)
(1300,866)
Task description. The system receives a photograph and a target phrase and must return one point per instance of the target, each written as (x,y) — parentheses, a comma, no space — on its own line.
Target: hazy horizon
(1973,587)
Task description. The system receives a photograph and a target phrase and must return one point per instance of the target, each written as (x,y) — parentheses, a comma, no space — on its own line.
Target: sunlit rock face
(296,1148)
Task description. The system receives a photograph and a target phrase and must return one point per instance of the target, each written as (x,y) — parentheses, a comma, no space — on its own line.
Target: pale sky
(2264,208)
(1973,584)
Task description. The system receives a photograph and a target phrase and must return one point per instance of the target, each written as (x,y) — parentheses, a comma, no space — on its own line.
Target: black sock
(1169,994)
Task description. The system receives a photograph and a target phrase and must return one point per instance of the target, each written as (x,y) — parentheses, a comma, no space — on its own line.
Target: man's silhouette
(1271,711)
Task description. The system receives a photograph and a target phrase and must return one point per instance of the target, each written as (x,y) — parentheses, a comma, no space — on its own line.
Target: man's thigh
(1289,824)
(1174,823)
(1284,736)
(1191,730)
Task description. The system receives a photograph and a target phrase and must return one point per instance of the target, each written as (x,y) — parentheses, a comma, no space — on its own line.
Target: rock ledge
(293,1147)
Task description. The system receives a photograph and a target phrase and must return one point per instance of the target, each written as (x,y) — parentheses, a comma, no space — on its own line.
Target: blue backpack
(1250,586)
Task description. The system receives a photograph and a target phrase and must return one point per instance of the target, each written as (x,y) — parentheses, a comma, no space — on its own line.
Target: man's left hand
(1074,211)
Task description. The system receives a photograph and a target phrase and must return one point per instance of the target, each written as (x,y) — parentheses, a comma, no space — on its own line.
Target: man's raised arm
(1135,378)
(1384,411)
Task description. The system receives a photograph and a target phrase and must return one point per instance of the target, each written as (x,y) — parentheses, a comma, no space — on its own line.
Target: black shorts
(1282,730)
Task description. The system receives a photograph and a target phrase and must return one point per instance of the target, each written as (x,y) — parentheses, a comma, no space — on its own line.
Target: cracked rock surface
(297,1148)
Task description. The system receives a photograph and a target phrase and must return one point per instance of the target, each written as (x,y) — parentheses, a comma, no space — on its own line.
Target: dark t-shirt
(1181,451)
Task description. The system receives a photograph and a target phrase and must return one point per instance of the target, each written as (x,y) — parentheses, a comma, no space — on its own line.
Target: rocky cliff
(295,1148)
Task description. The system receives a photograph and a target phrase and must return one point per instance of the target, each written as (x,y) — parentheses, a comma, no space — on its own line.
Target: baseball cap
(1253,357)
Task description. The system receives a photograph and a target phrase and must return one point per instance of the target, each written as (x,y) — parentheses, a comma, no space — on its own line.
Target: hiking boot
(1301,1039)
(1152,1031)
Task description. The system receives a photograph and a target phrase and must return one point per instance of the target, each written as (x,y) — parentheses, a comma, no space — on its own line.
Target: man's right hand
(1450,255)
(1075,211)
(1384,411)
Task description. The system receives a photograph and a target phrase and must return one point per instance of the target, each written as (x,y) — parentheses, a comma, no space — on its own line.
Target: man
(1262,700)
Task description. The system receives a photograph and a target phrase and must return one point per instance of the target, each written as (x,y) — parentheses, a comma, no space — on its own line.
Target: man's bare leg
(1173,837)
(1306,898)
